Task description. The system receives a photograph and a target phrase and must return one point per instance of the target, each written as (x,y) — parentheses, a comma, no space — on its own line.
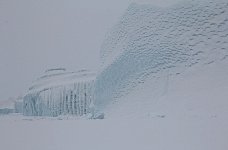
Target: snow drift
(154,44)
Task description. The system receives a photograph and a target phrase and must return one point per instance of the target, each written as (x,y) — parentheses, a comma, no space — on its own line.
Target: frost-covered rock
(148,41)
(59,92)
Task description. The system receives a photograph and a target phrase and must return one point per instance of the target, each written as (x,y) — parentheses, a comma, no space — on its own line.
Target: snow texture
(157,43)
(169,133)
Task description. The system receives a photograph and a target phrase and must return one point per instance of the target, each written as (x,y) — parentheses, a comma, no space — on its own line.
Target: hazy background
(39,34)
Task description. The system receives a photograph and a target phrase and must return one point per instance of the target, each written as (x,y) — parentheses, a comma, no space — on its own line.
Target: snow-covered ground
(189,114)
(168,133)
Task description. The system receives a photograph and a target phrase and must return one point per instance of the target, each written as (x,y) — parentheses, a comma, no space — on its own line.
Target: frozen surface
(18,105)
(169,133)
(200,92)
(157,133)
(163,85)
(58,92)
(159,43)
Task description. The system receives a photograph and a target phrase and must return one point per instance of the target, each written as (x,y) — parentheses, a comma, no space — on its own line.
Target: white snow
(151,43)
(169,133)
(162,86)
(200,92)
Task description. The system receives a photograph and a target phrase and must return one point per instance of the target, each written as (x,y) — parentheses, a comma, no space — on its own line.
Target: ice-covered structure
(59,92)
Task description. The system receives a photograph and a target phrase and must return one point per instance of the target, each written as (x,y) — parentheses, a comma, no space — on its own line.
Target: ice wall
(18,106)
(60,94)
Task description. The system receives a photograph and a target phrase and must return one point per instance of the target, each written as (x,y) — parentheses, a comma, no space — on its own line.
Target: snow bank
(155,43)
(199,92)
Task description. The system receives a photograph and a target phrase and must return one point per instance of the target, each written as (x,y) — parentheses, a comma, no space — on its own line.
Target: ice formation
(148,41)
(18,105)
(59,92)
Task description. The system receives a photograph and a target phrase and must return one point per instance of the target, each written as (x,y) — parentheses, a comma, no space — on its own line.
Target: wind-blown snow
(156,43)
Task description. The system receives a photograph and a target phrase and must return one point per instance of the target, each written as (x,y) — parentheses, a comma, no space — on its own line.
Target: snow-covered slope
(199,92)
(155,45)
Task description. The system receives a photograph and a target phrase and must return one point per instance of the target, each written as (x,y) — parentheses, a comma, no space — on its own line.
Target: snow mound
(155,43)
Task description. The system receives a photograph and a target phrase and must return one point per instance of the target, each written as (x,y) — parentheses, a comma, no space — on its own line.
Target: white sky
(39,34)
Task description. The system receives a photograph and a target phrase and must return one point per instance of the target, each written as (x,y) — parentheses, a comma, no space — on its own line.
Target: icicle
(71,102)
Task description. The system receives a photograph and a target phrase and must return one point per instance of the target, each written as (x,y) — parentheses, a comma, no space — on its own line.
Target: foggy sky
(36,35)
